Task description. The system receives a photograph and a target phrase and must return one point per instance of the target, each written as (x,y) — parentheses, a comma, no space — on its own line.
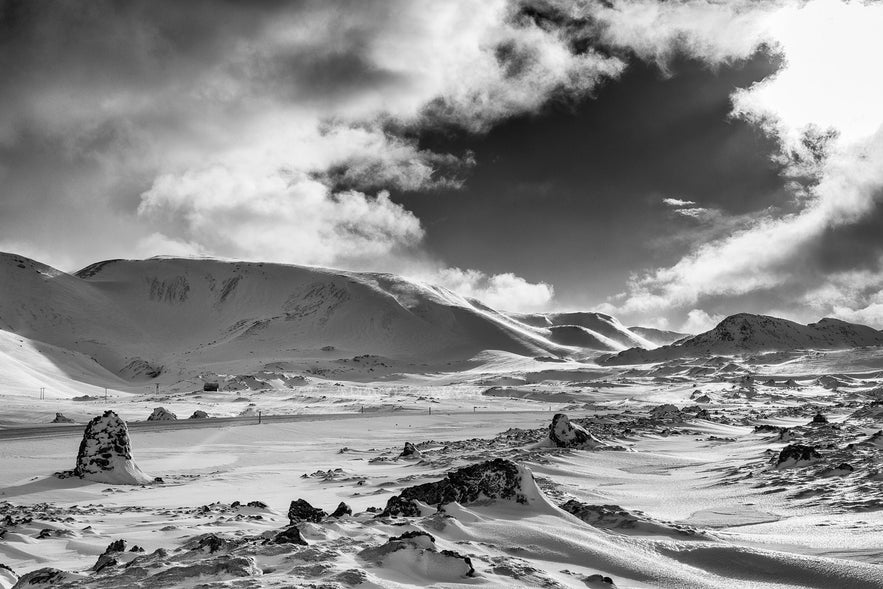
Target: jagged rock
(819,418)
(790,383)
(301,511)
(61,418)
(786,434)
(105,454)
(45,577)
(797,455)
(162,414)
(107,559)
(417,551)
(198,414)
(290,535)
(342,510)
(665,412)
(565,434)
(257,504)
(410,451)
(766,429)
(494,479)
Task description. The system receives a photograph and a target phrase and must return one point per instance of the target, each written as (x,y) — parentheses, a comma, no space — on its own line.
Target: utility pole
(259,417)
(105,394)
(42,392)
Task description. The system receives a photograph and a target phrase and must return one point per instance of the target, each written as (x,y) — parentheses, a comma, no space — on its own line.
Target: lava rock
(494,479)
(162,414)
(410,451)
(797,455)
(105,454)
(290,535)
(342,510)
(565,434)
(301,511)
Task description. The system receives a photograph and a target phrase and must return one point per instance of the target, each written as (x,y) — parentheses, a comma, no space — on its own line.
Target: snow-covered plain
(687,490)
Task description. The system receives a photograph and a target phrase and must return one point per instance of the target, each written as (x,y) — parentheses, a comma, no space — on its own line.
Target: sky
(669,163)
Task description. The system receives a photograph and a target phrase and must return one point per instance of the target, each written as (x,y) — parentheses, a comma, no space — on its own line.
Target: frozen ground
(684,496)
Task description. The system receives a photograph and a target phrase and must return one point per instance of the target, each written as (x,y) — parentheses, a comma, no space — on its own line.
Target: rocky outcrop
(61,418)
(819,419)
(565,434)
(666,412)
(107,559)
(199,414)
(410,451)
(342,510)
(301,511)
(162,414)
(416,551)
(290,535)
(797,455)
(494,479)
(45,577)
(105,454)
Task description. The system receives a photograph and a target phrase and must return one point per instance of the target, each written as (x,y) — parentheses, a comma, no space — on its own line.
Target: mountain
(595,331)
(166,317)
(659,337)
(747,333)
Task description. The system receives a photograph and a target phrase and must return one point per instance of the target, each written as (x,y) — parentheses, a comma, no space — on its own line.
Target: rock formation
(105,454)
(162,414)
(199,414)
(565,434)
(797,455)
(62,418)
(416,550)
(301,511)
(494,479)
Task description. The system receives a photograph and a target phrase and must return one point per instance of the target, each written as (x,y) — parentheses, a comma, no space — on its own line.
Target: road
(50,430)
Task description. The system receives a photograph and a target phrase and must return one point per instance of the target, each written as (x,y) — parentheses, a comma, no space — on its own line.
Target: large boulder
(302,511)
(416,553)
(565,434)
(797,455)
(411,452)
(199,414)
(494,479)
(162,414)
(105,454)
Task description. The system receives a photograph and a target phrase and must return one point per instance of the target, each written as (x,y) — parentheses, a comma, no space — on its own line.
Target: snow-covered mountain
(659,337)
(745,332)
(139,319)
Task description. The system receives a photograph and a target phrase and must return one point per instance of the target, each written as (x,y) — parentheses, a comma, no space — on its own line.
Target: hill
(747,333)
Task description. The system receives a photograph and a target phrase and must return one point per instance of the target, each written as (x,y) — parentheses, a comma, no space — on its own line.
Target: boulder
(199,414)
(342,510)
(665,412)
(797,455)
(162,414)
(416,552)
(301,511)
(565,434)
(290,535)
(494,479)
(107,559)
(410,451)
(819,418)
(61,418)
(105,454)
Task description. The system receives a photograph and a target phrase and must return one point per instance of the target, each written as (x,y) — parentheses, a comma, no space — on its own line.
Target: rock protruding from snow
(666,412)
(46,577)
(199,414)
(290,535)
(415,553)
(565,434)
(162,414)
(797,455)
(819,419)
(411,452)
(342,510)
(494,479)
(302,511)
(105,454)
(62,418)
(8,578)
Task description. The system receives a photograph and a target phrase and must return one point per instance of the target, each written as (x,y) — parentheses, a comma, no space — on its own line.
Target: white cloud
(677,202)
(828,47)
(699,321)
(506,292)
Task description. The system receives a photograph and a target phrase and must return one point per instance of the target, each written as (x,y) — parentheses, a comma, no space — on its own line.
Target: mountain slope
(746,333)
(595,331)
(142,318)
(659,337)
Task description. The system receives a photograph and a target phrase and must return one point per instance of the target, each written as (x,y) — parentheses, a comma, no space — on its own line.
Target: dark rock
(797,455)
(199,414)
(257,504)
(819,418)
(105,454)
(599,581)
(290,535)
(494,479)
(44,533)
(44,577)
(410,451)
(342,510)
(60,418)
(301,511)
(565,434)
(162,414)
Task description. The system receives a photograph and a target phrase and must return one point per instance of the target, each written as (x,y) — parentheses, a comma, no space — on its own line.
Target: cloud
(677,202)
(263,130)
(699,321)
(506,291)
(825,111)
